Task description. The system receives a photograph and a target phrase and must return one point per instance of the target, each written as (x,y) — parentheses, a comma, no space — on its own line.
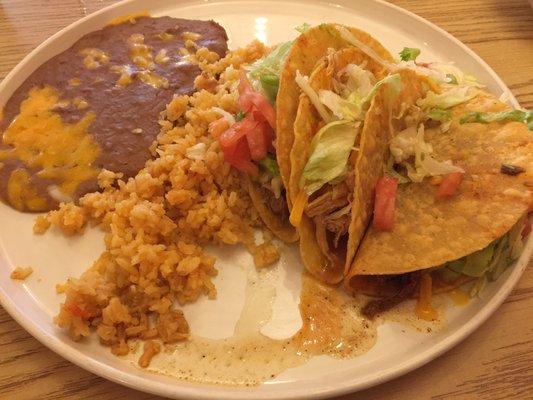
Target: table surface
(496,362)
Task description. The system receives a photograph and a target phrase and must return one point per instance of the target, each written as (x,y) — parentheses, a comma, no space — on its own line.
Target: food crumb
(41,225)
(61,288)
(21,273)
(70,218)
(150,350)
(264,254)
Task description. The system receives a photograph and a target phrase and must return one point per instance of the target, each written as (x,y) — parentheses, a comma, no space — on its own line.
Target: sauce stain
(424,309)
(459,297)
(331,325)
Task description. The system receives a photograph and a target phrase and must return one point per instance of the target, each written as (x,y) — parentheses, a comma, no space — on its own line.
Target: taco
(251,140)
(342,129)
(459,211)
(307,50)
(247,140)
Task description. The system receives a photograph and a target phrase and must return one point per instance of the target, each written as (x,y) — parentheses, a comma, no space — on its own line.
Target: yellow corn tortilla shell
(306,51)
(429,232)
(277,225)
(374,152)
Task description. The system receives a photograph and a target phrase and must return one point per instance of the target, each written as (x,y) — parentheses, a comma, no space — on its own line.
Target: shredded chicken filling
(330,211)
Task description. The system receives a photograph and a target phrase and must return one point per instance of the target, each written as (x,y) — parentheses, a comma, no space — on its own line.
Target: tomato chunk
(257,141)
(251,138)
(238,130)
(240,158)
(449,185)
(234,145)
(251,100)
(384,204)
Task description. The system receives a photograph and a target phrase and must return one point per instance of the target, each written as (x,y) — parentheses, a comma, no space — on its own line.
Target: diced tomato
(244,84)
(238,130)
(250,100)
(251,138)
(234,145)
(216,128)
(241,158)
(527,227)
(384,204)
(261,103)
(257,141)
(449,185)
(76,310)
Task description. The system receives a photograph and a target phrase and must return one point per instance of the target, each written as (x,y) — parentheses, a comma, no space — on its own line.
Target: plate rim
(190,390)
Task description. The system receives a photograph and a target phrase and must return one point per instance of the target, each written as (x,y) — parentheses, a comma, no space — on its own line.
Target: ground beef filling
(406,286)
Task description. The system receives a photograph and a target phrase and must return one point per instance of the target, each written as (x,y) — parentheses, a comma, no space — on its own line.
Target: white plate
(54,257)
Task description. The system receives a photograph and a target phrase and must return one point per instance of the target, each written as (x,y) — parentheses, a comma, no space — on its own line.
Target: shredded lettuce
(270,164)
(359,82)
(394,82)
(523,116)
(355,105)
(409,53)
(442,73)
(438,114)
(265,71)
(448,98)
(270,85)
(489,263)
(330,150)
(341,108)
(410,143)
(303,82)
(272,63)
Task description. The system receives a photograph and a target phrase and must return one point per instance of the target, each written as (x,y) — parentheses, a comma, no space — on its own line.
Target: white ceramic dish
(54,257)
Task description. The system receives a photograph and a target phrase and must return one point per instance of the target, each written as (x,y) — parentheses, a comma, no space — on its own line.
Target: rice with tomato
(158,222)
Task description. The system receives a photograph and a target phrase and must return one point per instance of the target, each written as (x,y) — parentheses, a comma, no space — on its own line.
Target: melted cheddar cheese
(131,18)
(60,151)
(424,310)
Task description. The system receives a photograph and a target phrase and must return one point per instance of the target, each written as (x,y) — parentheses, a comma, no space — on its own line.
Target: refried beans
(95,106)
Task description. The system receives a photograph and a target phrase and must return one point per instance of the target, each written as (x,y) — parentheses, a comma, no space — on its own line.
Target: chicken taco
(247,140)
(307,50)
(258,139)
(341,134)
